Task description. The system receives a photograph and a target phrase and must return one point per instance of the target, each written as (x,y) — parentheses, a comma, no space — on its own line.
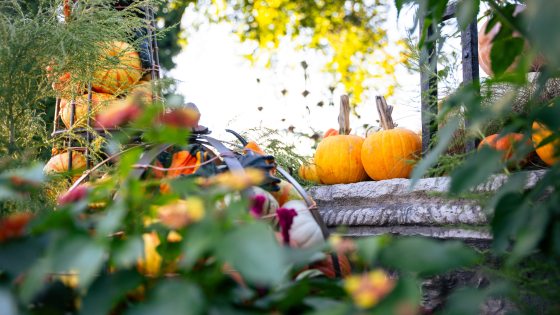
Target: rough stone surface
(392,206)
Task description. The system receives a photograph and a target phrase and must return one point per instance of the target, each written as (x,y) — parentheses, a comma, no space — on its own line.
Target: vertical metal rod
(428,88)
(469,44)
(88,133)
(148,17)
(56,114)
(72,115)
(154,44)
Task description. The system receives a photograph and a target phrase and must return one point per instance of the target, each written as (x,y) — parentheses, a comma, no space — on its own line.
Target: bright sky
(213,73)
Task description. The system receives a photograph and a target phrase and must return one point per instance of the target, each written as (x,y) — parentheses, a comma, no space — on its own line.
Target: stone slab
(393,206)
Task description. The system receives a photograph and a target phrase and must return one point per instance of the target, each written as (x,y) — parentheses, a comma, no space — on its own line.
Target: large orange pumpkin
(59,163)
(120,68)
(485,41)
(98,102)
(338,157)
(548,152)
(390,153)
(505,143)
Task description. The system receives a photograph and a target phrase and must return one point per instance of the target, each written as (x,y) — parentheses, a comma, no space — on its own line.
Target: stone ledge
(391,206)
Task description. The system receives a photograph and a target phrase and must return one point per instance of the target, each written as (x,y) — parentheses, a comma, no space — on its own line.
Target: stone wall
(392,206)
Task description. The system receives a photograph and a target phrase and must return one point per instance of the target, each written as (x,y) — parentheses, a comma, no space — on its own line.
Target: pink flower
(73,195)
(257,206)
(285,220)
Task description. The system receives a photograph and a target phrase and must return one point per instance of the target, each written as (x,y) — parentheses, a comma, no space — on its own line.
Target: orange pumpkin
(120,68)
(548,152)
(309,173)
(98,102)
(505,143)
(330,132)
(389,153)
(253,146)
(485,41)
(59,163)
(338,157)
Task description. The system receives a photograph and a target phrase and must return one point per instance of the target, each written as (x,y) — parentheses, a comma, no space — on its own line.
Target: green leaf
(515,183)
(475,170)
(530,234)
(79,254)
(444,135)
(509,216)
(253,251)
(369,247)
(468,301)
(20,254)
(172,297)
(427,256)
(466,11)
(112,219)
(199,240)
(503,53)
(127,252)
(108,290)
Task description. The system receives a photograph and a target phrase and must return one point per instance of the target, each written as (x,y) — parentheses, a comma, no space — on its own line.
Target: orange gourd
(548,152)
(308,172)
(98,102)
(286,193)
(505,143)
(330,132)
(338,157)
(59,163)
(120,68)
(390,153)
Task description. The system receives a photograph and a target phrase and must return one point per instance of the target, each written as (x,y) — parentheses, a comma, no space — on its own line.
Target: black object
(428,75)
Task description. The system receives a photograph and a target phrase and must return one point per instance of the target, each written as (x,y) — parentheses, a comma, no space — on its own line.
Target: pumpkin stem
(384,112)
(344,116)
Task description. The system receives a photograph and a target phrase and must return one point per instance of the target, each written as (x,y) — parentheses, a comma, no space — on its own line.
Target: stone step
(392,206)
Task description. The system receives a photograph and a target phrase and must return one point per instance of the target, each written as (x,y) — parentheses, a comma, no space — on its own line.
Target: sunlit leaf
(475,170)
(503,53)
(510,214)
(466,12)
(369,247)
(427,256)
(112,219)
(444,135)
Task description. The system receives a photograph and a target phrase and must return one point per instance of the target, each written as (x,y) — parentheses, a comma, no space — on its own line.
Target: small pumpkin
(389,153)
(330,132)
(305,232)
(548,152)
(286,193)
(308,172)
(121,68)
(338,157)
(505,143)
(98,102)
(59,163)
(253,146)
